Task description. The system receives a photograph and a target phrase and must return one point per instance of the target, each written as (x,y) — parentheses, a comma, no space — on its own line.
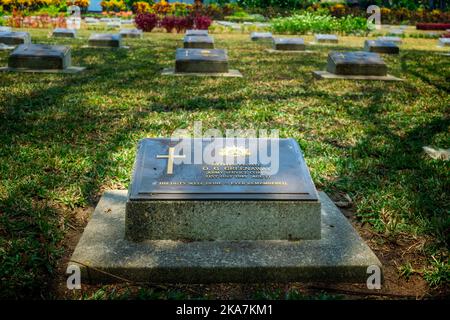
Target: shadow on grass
(388,168)
(56,149)
(412,63)
(65,139)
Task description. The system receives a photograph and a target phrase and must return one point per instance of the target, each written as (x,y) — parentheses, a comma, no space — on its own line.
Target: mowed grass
(64,139)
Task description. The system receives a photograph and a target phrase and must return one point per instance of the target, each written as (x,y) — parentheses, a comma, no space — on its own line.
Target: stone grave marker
(380,46)
(198,42)
(5,29)
(15,38)
(113,24)
(90,20)
(221,201)
(356,65)
(228,24)
(397,40)
(326,38)
(261,36)
(127,21)
(105,40)
(41,58)
(131,33)
(396,32)
(201,62)
(193,33)
(64,33)
(229,220)
(289,44)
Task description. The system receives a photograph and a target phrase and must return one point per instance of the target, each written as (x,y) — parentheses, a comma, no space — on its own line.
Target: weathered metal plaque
(221,169)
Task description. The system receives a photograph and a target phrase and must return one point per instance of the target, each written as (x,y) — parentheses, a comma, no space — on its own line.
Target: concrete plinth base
(287,51)
(100,47)
(321,75)
(104,255)
(6,47)
(230,74)
(203,220)
(66,70)
(314,43)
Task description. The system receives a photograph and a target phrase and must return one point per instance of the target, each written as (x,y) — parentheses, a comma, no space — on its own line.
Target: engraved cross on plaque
(170,158)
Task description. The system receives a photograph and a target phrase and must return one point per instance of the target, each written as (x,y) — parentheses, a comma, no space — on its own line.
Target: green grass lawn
(64,139)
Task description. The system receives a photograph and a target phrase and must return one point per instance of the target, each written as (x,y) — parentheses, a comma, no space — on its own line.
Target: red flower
(146,21)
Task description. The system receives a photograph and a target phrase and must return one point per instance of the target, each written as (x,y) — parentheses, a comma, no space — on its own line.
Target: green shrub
(240,14)
(318,23)
(303,23)
(350,24)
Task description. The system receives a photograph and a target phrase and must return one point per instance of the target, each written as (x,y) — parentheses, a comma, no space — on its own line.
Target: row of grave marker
(381,45)
(28,57)
(199,57)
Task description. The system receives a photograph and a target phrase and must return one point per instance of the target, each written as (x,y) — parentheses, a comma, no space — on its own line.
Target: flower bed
(320,17)
(318,23)
(35,5)
(113,5)
(18,20)
(119,8)
(433,26)
(389,15)
(164,8)
(148,21)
